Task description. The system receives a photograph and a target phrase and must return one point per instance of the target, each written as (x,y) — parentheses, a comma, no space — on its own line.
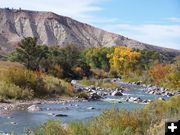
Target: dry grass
(8,64)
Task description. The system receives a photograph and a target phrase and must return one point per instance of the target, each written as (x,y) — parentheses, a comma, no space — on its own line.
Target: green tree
(65,60)
(147,59)
(97,57)
(29,53)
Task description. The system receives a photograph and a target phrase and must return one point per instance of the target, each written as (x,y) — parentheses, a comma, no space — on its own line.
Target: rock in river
(94,96)
(13,123)
(34,108)
(90,108)
(117,93)
(61,115)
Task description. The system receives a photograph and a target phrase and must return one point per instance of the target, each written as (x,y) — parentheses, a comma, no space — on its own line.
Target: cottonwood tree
(124,59)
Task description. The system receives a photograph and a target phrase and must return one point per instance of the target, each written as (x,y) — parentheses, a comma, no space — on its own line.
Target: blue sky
(151,21)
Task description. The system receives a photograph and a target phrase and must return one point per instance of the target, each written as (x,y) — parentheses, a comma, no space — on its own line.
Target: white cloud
(78,9)
(161,35)
(174,19)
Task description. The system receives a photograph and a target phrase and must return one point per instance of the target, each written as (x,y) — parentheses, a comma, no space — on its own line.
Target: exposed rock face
(53,29)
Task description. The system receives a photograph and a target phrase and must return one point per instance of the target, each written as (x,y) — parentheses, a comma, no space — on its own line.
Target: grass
(103,83)
(147,121)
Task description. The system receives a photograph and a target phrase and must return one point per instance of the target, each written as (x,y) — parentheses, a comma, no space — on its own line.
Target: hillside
(53,29)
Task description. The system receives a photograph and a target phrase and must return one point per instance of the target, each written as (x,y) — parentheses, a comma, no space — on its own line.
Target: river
(18,121)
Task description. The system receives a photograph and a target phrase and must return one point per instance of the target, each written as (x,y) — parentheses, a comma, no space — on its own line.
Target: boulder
(138,83)
(170,94)
(33,108)
(51,114)
(94,96)
(74,82)
(160,98)
(13,123)
(131,99)
(61,115)
(90,108)
(151,92)
(134,99)
(145,101)
(92,87)
(116,93)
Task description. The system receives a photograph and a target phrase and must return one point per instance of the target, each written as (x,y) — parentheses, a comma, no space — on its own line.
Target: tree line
(119,61)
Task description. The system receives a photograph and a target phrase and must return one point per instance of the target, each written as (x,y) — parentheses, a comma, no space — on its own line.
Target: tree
(68,59)
(177,63)
(158,72)
(124,59)
(173,80)
(148,58)
(97,57)
(29,53)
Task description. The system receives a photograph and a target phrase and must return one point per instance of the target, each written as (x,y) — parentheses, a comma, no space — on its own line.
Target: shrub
(58,86)
(26,79)
(78,129)
(41,86)
(82,95)
(56,70)
(99,73)
(113,73)
(11,91)
(51,128)
(69,90)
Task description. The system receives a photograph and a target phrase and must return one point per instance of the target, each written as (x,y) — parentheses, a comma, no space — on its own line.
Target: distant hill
(53,29)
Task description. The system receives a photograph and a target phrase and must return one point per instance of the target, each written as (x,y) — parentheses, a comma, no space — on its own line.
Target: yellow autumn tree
(123,59)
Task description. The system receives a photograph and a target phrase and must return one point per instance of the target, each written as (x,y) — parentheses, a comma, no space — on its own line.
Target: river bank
(10,106)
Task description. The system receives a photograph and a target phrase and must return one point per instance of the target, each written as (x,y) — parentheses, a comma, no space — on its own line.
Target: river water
(76,111)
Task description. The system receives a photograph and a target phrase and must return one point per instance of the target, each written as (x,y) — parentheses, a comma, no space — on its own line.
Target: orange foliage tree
(159,72)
